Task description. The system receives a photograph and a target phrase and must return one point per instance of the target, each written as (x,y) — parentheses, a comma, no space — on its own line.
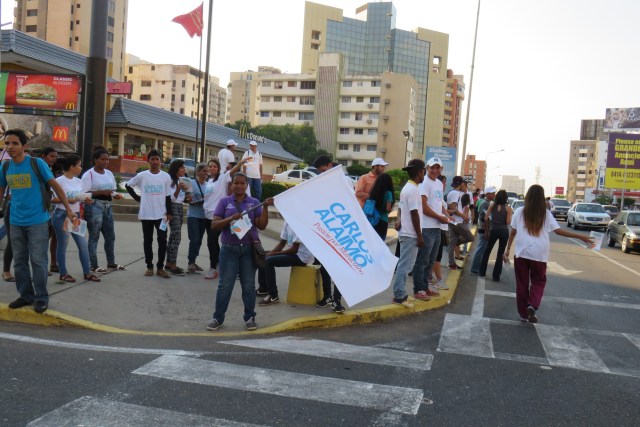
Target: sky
(541,65)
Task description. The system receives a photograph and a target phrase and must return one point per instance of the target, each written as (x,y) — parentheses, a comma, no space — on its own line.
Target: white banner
(325,215)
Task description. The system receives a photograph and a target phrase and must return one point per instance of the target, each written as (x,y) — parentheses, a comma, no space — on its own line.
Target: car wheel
(612,241)
(625,245)
(568,223)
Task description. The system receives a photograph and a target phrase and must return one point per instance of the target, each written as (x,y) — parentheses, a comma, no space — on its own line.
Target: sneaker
(324,302)
(532,314)
(211,274)
(149,272)
(20,302)
(193,269)
(403,302)
(261,292)
(422,295)
(163,273)
(98,270)
(524,320)
(251,324)
(432,293)
(269,300)
(474,273)
(337,306)
(440,285)
(432,280)
(177,271)
(455,266)
(214,325)
(40,306)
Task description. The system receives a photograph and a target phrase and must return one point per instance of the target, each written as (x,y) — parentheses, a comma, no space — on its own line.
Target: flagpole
(195,152)
(205,102)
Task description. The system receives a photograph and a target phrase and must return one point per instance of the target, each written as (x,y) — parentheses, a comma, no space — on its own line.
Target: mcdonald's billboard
(60,132)
(39,91)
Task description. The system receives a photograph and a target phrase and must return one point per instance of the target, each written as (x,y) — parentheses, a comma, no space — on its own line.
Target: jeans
(213,243)
(326,284)
(502,235)
(381,228)
(196,228)
(405,264)
(175,236)
(148,225)
(425,259)
(255,185)
(31,243)
(267,275)
(8,251)
(100,220)
(526,295)
(236,259)
(477,256)
(458,235)
(58,219)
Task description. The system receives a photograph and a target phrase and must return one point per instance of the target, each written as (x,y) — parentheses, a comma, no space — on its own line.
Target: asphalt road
(471,363)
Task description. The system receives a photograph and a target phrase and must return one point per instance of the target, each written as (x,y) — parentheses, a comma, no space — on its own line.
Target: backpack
(371,212)
(45,190)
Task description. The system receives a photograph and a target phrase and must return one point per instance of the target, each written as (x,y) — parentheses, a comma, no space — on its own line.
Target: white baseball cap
(253,143)
(231,142)
(434,161)
(379,162)
(490,189)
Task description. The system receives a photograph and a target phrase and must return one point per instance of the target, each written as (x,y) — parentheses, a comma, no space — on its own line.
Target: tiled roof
(136,115)
(40,50)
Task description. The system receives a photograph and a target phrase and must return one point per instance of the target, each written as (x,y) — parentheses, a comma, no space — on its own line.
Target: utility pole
(466,120)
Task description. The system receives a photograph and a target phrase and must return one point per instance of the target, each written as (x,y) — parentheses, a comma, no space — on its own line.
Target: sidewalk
(128,302)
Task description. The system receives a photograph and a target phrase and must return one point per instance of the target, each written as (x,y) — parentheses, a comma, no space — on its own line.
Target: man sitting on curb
(483,235)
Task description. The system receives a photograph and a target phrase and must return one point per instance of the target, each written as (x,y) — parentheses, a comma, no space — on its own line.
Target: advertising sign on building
(119,88)
(39,91)
(623,161)
(559,191)
(448,157)
(622,118)
(59,132)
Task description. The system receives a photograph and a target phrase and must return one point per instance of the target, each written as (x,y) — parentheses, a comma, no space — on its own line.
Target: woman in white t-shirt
(73,189)
(530,227)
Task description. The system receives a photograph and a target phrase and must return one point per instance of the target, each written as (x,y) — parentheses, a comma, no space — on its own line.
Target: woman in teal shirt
(384,196)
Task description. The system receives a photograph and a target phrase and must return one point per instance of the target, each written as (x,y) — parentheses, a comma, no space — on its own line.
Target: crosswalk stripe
(566,349)
(610,304)
(90,411)
(466,335)
(635,339)
(309,387)
(335,350)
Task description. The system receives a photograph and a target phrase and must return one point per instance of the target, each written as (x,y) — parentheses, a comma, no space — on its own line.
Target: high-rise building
(477,169)
(454,95)
(174,88)
(67,23)
(242,94)
(371,44)
(513,183)
(582,173)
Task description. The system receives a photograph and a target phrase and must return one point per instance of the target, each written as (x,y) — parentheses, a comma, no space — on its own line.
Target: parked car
(294,176)
(625,229)
(612,210)
(587,215)
(560,208)
(517,204)
(189,164)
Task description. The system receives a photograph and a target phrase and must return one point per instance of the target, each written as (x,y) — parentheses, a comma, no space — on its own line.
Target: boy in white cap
(364,184)
(253,169)
(226,156)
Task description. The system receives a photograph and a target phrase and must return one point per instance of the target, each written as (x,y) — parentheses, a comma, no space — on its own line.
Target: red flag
(192,21)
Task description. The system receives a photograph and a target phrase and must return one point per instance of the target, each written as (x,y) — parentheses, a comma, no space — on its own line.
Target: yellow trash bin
(305,286)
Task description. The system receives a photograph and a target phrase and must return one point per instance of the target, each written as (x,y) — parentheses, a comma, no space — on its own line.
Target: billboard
(622,118)
(59,132)
(559,191)
(448,157)
(39,91)
(623,161)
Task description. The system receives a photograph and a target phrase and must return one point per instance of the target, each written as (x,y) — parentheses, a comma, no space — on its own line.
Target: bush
(357,170)
(271,189)
(399,178)
(119,180)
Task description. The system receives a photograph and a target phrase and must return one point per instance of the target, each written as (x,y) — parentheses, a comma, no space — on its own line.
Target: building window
(359,131)
(347,83)
(345,115)
(373,116)
(277,99)
(277,114)
(359,98)
(173,97)
(374,100)
(264,114)
(292,84)
(162,96)
(111,22)
(309,84)
(31,28)
(315,35)
(265,99)
(145,97)
(343,147)
(291,114)
(371,147)
(131,72)
(34,12)
(277,85)
(266,84)
(145,83)
(344,131)
(358,116)
(184,83)
(375,83)
(356,147)
(182,97)
(306,100)
(109,52)
(291,99)
(372,131)
(346,99)
(305,115)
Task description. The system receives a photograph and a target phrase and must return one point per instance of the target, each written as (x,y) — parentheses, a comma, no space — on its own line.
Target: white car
(294,176)
(588,215)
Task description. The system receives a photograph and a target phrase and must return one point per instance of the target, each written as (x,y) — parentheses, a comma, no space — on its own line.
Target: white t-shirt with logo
(253,165)
(73,188)
(410,200)
(215,191)
(181,194)
(454,196)
(154,189)
(433,191)
(225,156)
(535,248)
(94,181)
(291,238)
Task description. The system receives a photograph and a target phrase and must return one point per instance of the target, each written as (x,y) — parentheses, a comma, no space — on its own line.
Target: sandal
(54,269)
(91,278)
(116,267)
(67,278)
(8,277)
(98,270)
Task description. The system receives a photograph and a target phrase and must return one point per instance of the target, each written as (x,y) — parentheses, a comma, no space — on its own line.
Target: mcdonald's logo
(242,132)
(60,134)
(70,106)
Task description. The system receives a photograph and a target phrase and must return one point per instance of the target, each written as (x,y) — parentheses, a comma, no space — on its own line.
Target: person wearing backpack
(28,178)
(379,204)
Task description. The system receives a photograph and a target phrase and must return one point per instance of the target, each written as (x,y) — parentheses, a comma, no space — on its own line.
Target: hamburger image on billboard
(37,95)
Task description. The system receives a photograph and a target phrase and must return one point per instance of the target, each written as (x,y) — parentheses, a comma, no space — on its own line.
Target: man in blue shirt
(29,220)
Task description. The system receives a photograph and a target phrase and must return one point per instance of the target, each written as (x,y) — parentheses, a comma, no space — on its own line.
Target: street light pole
(466,122)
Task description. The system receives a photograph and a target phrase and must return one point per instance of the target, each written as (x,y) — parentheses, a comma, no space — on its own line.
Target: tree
(357,169)
(603,199)
(298,140)
(239,123)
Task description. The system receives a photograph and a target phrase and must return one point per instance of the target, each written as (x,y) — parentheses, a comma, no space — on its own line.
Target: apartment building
(513,183)
(67,23)
(242,94)
(454,95)
(583,171)
(174,88)
(370,44)
(477,169)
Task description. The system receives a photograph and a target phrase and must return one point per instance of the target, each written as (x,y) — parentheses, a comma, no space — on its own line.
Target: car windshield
(590,208)
(634,219)
(560,202)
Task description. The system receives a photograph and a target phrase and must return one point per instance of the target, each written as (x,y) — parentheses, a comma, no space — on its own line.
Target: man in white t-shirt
(459,233)
(433,215)
(155,208)
(226,156)
(409,226)
(253,169)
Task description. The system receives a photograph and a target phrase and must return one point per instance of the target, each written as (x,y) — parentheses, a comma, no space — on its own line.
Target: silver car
(590,215)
